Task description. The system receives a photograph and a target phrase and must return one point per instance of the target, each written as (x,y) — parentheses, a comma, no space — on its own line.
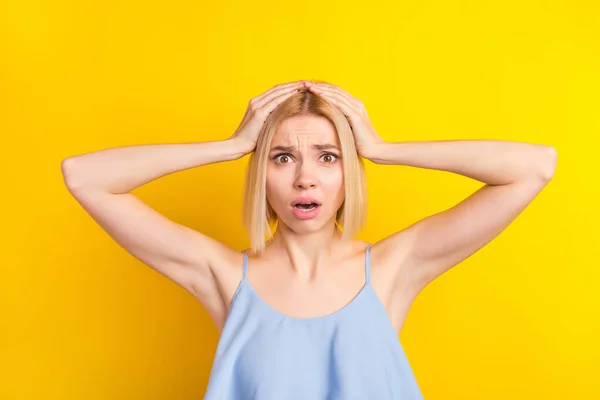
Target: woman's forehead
(298,130)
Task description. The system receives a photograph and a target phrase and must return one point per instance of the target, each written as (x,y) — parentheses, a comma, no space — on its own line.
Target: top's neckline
(329,316)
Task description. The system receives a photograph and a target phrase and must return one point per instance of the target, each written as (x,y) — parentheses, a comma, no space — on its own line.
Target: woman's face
(308,165)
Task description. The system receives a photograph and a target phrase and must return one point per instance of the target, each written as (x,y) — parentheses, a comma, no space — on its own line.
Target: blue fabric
(352,353)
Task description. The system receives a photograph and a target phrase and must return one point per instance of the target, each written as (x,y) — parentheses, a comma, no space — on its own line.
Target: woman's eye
(330,155)
(280,155)
(330,160)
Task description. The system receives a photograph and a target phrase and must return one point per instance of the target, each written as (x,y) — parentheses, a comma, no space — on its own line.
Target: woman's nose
(305,183)
(306,177)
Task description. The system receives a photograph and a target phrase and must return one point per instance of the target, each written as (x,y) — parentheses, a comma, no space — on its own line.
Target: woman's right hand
(258,110)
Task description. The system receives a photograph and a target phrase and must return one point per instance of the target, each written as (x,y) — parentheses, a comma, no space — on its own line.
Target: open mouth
(306,206)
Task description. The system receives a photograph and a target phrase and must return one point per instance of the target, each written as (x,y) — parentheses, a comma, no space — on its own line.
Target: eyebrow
(326,146)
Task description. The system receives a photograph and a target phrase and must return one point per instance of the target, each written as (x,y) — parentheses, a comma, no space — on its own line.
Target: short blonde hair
(258,216)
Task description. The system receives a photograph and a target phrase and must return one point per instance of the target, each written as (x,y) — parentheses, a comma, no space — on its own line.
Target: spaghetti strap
(245,265)
(368,263)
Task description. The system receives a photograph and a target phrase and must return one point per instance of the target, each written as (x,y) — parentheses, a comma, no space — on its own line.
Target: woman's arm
(494,162)
(101,181)
(122,169)
(514,174)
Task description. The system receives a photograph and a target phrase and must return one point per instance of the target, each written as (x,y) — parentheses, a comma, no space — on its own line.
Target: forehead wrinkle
(303,140)
(294,138)
(297,140)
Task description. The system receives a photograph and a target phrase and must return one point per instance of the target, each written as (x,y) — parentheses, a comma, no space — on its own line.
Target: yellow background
(82,319)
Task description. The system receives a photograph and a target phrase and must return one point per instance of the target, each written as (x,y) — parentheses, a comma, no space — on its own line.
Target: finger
(335,88)
(283,91)
(276,91)
(350,99)
(341,101)
(283,86)
(270,104)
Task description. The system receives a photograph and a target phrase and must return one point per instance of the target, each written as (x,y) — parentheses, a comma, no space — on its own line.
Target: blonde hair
(258,216)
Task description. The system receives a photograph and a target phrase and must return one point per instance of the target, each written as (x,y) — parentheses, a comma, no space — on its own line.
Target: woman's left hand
(365,136)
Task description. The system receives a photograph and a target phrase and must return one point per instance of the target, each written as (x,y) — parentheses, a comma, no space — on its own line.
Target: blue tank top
(352,353)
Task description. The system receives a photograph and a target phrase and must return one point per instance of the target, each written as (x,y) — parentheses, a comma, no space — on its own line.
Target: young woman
(309,312)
